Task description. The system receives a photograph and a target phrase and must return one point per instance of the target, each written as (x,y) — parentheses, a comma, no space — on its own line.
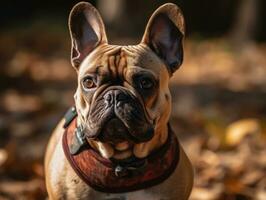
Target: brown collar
(105,175)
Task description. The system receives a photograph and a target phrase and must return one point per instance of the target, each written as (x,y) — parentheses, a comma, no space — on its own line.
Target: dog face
(123,99)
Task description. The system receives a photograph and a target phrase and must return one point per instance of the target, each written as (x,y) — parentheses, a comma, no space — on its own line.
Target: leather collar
(101,174)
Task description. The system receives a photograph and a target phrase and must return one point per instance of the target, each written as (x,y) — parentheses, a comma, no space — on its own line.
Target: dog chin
(120,151)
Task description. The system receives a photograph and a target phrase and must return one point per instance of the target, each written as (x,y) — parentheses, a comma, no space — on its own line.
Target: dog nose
(120,97)
(115,95)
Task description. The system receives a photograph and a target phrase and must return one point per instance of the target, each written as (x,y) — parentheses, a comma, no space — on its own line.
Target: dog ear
(164,34)
(87,31)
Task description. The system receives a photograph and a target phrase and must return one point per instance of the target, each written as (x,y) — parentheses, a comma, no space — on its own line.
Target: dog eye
(88,83)
(146,83)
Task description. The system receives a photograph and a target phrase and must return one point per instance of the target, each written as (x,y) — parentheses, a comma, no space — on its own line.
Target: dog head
(123,99)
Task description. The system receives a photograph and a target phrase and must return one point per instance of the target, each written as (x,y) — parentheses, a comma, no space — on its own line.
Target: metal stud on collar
(80,134)
(79,140)
(121,171)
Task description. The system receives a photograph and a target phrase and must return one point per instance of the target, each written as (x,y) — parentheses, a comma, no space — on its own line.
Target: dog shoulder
(52,165)
(56,164)
(61,181)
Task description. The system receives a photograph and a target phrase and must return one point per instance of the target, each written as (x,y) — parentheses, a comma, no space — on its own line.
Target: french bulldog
(118,144)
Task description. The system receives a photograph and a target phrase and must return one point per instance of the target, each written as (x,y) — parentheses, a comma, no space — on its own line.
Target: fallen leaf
(237,131)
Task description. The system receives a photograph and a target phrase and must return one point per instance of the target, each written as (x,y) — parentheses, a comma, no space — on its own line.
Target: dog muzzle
(117,115)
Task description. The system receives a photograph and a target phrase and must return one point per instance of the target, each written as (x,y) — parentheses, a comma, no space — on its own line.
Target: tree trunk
(244,26)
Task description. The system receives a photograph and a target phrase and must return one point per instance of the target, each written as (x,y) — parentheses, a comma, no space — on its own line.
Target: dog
(116,142)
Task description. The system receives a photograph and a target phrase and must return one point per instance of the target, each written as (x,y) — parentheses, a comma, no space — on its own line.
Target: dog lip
(148,135)
(122,146)
(115,131)
(121,155)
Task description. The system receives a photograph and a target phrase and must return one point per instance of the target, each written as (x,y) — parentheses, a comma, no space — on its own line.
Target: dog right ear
(87,31)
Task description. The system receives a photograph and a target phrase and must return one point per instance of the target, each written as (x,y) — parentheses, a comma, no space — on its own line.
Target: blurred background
(219,94)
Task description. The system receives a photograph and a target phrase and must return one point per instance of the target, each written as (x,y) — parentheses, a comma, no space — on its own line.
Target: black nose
(115,96)
(120,96)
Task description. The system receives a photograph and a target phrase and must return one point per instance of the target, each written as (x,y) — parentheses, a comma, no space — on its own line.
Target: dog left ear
(164,35)
(87,31)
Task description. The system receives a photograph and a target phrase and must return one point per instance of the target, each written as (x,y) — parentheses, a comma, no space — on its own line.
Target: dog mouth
(116,132)
(115,138)
(117,135)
